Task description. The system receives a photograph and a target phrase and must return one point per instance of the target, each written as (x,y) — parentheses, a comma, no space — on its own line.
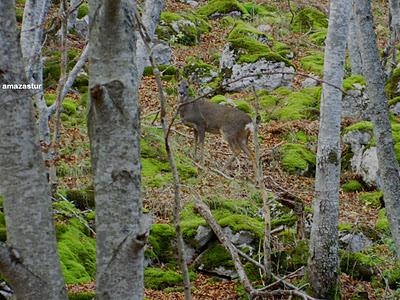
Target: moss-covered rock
(166,70)
(300,105)
(313,62)
(358,265)
(184,28)
(83,198)
(382,223)
(157,278)
(318,37)
(309,19)
(214,257)
(292,258)
(297,159)
(199,71)
(374,199)
(393,276)
(354,79)
(83,10)
(77,253)
(81,82)
(222,7)
(161,241)
(352,186)
(81,296)
(392,85)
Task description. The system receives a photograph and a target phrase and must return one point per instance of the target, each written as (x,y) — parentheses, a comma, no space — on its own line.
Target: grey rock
(162,53)
(190,254)
(264,28)
(355,242)
(395,109)
(203,235)
(82,26)
(309,82)
(241,76)
(355,104)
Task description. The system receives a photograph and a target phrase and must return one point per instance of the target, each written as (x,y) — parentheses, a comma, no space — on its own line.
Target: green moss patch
(222,7)
(309,19)
(81,296)
(352,186)
(77,253)
(299,105)
(382,224)
(358,265)
(214,257)
(292,258)
(354,79)
(313,62)
(184,28)
(157,278)
(83,10)
(391,86)
(373,199)
(161,241)
(297,159)
(318,38)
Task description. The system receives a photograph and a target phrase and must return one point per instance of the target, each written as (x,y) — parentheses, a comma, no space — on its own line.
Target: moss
(77,254)
(394,101)
(268,101)
(19,14)
(358,265)
(354,79)
(239,222)
(291,258)
(393,276)
(81,296)
(345,227)
(81,82)
(69,106)
(352,186)
(382,223)
(222,7)
(214,257)
(164,69)
(190,221)
(190,25)
(83,198)
(218,99)
(360,126)
(282,91)
(373,199)
(318,37)
(157,278)
(297,159)
(313,62)
(84,100)
(197,68)
(259,10)
(298,105)
(83,10)
(391,86)
(161,238)
(308,19)
(3,234)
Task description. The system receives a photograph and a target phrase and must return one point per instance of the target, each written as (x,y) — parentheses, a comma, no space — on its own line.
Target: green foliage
(382,223)
(348,82)
(373,199)
(197,68)
(83,10)
(218,99)
(391,86)
(81,296)
(352,186)
(259,10)
(297,159)
(69,106)
(214,257)
(393,276)
(309,19)
(299,105)
(19,13)
(164,70)
(318,37)
(313,62)
(190,25)
(77,253)
(81,82)
(358,265)
(83,198)
(222,7)
(360,126)
(161,238)
(290,259)
(159,279)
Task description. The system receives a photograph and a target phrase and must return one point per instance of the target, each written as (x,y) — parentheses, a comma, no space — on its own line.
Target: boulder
(355,242)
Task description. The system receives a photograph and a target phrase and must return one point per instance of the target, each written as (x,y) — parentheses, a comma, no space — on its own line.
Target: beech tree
(374,76)
(324,262)
(353,46)
(29,260)
(113,126)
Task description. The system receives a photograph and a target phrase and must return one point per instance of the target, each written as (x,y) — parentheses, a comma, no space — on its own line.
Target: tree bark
(353,46)
(73,14)
(113,127)
(23,184)
(324,262)
(150,19)
(388,164)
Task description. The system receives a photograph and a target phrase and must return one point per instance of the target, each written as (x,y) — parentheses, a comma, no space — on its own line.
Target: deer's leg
(196,139)
(236,152)
(201,135)
(250,155)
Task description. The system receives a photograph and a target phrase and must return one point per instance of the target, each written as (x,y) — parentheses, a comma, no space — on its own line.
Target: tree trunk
(353,46)
(388,165)
(113,127)
(23,184)
(72,15)
(323,263)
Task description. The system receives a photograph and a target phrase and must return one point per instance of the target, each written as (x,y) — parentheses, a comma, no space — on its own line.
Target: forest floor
(160,201)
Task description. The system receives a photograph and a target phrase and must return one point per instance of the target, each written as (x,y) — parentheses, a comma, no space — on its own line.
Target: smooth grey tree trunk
(113,126)
(23,184)
(324,262)
(150,19)
(353,46)
(388,165)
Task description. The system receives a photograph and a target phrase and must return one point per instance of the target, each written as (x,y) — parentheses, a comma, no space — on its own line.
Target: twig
(177,207)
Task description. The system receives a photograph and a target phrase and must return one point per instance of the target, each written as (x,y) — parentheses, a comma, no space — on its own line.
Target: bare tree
(29,260)
(324,262)
(353,46)
(113,126)
(388,164)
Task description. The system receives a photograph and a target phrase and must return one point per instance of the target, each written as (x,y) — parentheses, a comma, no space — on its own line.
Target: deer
(203,116)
